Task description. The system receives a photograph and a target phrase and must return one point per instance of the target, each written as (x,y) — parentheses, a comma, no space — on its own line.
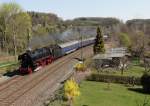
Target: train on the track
(32,60)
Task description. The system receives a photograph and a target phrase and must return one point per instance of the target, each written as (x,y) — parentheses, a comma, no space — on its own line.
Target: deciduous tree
(125,40)
(15,27)
(138,44)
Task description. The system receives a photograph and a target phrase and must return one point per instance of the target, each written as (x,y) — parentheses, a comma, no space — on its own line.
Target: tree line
(17,27)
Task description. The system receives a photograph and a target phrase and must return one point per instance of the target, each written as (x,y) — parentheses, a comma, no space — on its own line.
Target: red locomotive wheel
(30,70)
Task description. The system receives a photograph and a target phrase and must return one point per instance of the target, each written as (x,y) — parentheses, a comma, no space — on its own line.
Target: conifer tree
(99,43)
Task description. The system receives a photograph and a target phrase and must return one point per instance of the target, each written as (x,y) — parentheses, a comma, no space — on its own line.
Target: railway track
(55,80)
(7,83)
(9,94)
(15,79)
(32,83)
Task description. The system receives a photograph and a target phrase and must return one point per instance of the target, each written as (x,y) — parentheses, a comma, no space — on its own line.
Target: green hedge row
(115,79)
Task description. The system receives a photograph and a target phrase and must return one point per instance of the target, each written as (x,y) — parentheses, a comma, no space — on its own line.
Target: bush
(114,79)
(145,81)
(80,66)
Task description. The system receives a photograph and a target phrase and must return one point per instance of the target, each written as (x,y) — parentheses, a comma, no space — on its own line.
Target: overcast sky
(69,9)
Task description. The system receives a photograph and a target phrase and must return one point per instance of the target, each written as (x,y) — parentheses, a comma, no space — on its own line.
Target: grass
(56,103)
(8,67)
(7,64)
(97,94)
(134,70)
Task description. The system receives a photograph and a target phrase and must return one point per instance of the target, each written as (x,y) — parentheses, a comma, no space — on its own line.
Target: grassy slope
(96,94)
(8,67)
(7,64)
(134,70)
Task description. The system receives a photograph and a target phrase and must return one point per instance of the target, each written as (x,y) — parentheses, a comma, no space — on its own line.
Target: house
(112,58)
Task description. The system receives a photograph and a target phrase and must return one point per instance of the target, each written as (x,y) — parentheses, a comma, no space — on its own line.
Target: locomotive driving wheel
(30,70)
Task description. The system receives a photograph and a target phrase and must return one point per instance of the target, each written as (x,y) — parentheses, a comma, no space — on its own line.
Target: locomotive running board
(38,68)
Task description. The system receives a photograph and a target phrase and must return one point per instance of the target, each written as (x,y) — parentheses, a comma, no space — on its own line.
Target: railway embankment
(36,88)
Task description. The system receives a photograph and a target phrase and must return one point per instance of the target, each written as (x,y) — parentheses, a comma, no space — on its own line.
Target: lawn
(8,66)
(97,94)
(5,64)
(133,70)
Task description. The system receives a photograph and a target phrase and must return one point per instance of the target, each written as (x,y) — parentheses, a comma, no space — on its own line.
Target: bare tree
(123,64)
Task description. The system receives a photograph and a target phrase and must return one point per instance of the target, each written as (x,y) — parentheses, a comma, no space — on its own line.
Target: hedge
(115,79)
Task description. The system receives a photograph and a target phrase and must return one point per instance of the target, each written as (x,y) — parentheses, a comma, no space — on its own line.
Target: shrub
(145,81)
(80,66)
(114,79)
(71,90)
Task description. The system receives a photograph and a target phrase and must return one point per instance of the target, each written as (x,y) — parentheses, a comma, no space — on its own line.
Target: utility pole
(81,41)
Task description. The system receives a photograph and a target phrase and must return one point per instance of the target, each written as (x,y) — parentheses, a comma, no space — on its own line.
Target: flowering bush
(71,89)
(80,66)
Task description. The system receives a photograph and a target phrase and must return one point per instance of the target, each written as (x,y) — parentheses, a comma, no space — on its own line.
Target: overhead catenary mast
(80,39)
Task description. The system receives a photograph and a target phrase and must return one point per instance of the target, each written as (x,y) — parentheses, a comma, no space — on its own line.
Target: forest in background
(19,29)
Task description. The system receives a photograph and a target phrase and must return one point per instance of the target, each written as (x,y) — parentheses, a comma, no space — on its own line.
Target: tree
(6,11)
(15,27)
(125,40)
(71,90)
(123,64)
(138,44)
(99,43)
(20,27)
(39,30)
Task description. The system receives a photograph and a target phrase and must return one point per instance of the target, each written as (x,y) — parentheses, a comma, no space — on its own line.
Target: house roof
(108,55)
(111,53)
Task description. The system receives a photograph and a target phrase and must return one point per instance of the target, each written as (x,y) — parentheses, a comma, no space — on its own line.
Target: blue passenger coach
(74,45)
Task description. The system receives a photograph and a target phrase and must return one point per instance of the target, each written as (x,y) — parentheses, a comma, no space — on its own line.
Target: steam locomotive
(32,60)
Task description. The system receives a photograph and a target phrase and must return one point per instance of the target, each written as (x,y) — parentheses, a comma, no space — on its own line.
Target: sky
(69,9)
